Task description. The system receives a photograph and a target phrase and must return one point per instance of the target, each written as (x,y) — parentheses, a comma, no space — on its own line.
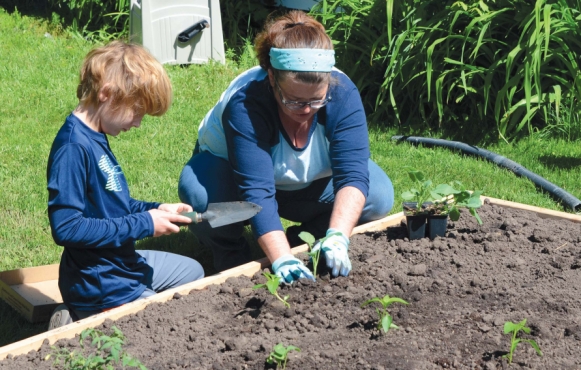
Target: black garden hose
(557,192)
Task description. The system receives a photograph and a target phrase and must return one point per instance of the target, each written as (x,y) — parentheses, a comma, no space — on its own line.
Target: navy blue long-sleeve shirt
(94,218)
(245,128)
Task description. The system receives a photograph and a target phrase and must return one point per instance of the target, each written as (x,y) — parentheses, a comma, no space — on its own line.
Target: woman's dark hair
(292,30)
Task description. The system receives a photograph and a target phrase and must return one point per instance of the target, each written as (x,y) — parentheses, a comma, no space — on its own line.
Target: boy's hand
(175,207)
(164,222)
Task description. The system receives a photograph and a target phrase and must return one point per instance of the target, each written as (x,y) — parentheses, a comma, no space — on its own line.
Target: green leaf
(535,346)
(385,323)
(371,301)
(115,353)
(272,286)
(394,300)
(307,238)
(454,214)
(510,327)
(473,213)
(444,190)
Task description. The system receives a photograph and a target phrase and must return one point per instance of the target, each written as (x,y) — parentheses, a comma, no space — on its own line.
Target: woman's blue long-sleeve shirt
(94,218)
(244,127)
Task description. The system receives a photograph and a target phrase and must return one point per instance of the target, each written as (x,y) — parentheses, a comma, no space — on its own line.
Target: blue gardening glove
(335,246)
(290,269)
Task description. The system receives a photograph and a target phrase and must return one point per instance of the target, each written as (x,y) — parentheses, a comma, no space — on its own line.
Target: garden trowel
(220,214)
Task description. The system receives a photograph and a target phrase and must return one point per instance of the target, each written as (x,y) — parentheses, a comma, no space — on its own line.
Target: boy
(91,212)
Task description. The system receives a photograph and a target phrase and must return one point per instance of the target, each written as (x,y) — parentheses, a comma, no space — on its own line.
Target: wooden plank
(49,290)
(32,291)
(30,274)
(541,212)
(249,269)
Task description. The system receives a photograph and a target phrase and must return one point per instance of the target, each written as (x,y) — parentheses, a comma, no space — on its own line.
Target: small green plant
(462,198)
(279,355)
(445,198)
(385,320)
(272,282)
(510,327)
(422,194)
(310,240)
(109,352)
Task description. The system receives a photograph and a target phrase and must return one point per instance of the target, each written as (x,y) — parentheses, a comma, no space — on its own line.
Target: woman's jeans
(209,179)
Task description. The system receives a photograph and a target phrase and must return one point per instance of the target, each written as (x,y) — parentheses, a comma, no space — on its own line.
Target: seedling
(109,352)
(272,282)
(510,327)
(421,194)
(315,255)
(310,240)
(385,320)
(461,198)
(446,198)
(279,355)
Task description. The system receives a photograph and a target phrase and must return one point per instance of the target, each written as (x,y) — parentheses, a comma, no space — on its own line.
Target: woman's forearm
(274,244)
(347,209)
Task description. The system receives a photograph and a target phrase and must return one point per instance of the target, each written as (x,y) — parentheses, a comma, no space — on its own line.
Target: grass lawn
(39,74)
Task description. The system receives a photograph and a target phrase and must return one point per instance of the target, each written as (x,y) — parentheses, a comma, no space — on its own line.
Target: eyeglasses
(296,105)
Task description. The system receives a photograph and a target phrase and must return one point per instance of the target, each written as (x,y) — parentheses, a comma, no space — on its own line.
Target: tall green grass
(498,70)
(92,19)
(469,70)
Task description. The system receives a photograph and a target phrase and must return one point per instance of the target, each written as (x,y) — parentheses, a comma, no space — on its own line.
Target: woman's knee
(380,198)
(189,189)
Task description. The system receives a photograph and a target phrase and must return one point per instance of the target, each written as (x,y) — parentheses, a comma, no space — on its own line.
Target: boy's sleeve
(141,206)
(67,187)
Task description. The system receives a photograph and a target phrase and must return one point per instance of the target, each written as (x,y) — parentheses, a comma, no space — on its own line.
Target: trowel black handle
(190,32)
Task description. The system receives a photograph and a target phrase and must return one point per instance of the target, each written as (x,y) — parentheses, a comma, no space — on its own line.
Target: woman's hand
(289,269)
(335,248)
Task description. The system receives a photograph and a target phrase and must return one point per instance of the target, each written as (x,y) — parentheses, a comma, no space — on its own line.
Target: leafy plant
(93,19)
(385,320)
(109,352)
(445,198)
(272,283)
(476,70)
(310,240)
(279,355)
(423,193)
(463,198)
(510,327)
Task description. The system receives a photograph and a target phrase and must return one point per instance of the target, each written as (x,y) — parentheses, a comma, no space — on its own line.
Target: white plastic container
(156,25)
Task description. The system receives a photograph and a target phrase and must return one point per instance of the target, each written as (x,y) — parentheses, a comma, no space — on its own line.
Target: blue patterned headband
(302,60)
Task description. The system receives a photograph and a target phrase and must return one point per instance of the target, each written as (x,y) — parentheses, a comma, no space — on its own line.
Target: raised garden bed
(462,288)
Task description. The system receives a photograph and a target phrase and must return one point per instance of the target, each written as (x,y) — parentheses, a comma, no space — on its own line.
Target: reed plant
(92,19)
(473,70)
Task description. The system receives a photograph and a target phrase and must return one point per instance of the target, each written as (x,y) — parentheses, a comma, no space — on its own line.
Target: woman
(290,136)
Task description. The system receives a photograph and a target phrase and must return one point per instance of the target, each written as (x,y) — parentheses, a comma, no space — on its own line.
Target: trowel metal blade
(220,214)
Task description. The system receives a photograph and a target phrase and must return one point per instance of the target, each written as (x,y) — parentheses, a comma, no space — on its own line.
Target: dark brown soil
(461,290)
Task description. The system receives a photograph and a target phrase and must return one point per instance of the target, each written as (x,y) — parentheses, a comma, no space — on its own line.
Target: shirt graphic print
(113,183)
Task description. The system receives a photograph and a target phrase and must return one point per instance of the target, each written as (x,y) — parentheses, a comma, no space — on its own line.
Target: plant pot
(416,226)
(437,225)
(416,223)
